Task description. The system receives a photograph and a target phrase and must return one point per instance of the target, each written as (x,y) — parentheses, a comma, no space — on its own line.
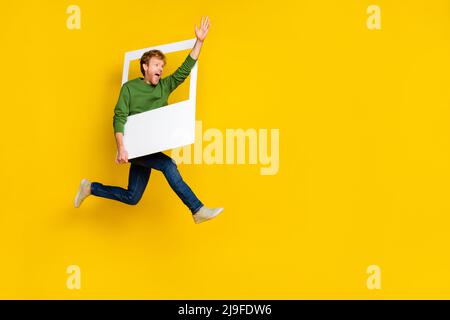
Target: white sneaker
(83,192)
(206,214)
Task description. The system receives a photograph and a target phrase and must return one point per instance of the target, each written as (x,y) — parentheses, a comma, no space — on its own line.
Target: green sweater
(137,96)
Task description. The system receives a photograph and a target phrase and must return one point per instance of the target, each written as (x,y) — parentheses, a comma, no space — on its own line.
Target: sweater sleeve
(176,78)
(122,110)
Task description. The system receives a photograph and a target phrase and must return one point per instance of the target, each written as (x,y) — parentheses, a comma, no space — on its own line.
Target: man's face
(154,70)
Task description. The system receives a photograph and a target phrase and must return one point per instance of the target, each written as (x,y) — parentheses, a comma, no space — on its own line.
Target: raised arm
(201,36)
(176,78)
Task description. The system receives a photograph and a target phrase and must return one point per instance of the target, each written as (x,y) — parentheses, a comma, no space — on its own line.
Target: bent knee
(133,200)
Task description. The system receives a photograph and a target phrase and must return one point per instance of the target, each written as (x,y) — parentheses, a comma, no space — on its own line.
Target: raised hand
(203,30)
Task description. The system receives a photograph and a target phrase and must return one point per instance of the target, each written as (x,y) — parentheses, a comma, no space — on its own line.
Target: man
(139,95)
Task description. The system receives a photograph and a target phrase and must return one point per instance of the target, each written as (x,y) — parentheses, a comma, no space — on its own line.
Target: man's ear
(145,66)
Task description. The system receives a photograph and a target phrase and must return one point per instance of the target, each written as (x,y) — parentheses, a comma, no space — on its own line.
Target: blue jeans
(139,174)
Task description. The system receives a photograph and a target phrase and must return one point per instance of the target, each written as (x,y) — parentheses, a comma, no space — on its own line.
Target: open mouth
(158,75)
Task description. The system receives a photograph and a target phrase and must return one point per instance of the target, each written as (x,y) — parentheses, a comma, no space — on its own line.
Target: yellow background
(364,173)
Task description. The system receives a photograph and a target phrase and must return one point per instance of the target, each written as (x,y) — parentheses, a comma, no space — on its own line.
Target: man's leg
(167,166)
(137,182)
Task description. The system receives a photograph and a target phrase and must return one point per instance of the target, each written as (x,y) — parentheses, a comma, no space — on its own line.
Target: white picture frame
(164,128)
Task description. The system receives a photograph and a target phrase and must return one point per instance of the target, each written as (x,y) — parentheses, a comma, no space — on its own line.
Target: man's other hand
(122,156)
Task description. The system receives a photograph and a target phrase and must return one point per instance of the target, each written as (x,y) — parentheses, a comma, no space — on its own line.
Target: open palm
(203,30)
